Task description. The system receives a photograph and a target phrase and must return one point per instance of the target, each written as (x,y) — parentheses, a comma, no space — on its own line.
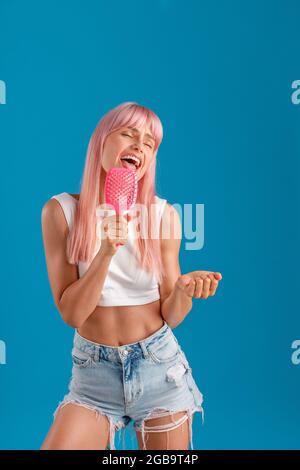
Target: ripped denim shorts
(132,382)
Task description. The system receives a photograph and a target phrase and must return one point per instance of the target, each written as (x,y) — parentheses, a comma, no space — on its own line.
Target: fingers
(114,231)
(206,287)
(130,217)
(186,284)
(199,284)
(217,276)
(190,288)
(118,222)
(214,284)
(206,284)
(184,281)
(115,228)
(198,287)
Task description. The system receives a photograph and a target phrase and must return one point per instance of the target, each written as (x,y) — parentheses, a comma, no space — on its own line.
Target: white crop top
(125,283)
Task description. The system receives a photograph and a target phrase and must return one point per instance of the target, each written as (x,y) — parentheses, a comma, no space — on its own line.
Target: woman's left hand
(199,284)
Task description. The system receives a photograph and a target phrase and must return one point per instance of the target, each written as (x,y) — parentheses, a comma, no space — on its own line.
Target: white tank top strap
(68,205)
(161,206)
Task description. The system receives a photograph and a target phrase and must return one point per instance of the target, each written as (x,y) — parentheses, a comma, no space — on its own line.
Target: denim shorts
(133,382)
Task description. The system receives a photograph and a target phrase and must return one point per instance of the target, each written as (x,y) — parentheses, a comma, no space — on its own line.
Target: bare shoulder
(50,208)
(52,214)
(53,204)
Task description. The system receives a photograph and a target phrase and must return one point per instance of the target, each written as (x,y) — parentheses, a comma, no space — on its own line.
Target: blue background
(218,74)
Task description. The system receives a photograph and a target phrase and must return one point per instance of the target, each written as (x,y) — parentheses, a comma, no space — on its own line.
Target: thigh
(77,428)
(165,433)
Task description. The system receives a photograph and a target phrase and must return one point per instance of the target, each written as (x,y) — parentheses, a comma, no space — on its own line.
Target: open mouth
(131,161)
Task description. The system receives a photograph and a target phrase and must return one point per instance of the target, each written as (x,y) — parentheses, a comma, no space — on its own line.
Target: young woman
(123,293)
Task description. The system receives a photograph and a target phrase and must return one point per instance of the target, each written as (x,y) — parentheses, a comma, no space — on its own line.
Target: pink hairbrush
(120,189)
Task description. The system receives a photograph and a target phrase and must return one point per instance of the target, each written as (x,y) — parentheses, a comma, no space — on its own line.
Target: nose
(138,146)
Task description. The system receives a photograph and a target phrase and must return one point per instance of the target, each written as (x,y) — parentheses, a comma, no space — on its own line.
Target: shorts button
(125,352)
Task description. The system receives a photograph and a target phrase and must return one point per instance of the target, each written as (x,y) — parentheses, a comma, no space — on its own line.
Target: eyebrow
(136,130)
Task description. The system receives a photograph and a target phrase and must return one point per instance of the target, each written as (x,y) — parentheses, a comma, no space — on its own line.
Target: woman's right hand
(114,231)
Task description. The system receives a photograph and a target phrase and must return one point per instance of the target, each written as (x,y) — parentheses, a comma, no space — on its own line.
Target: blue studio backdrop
(223,78)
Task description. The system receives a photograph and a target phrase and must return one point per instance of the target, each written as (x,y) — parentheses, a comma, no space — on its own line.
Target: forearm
(175,307)
(80,299)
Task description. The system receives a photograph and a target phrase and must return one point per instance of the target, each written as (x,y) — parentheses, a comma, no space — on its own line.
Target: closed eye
(131,136)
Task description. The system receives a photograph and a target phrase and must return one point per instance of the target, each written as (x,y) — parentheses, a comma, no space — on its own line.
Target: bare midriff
(116,326)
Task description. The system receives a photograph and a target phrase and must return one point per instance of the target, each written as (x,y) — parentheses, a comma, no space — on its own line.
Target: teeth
(133,157)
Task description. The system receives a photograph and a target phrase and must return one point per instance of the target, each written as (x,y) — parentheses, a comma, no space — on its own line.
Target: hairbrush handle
(118,213)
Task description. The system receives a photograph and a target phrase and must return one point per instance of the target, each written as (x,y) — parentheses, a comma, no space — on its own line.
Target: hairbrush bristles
(121,189)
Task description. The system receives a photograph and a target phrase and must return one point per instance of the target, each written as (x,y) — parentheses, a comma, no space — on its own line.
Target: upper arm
(55,231)
(170,239)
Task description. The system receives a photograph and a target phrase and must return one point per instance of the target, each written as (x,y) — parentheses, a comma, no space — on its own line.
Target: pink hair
(82,238)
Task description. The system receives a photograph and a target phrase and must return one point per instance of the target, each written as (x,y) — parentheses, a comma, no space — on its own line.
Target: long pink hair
(82,239)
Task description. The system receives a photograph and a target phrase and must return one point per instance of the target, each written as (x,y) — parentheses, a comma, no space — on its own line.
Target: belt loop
(97,354)
(144,349)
